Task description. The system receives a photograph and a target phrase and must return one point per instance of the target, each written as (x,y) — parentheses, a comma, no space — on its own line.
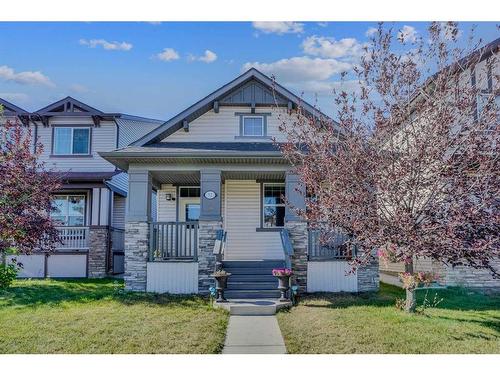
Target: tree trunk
(411,294)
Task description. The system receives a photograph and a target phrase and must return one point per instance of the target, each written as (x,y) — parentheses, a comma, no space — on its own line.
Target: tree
(410,169)
(25,188)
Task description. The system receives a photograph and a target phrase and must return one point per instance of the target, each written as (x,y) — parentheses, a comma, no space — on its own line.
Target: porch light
(168,197)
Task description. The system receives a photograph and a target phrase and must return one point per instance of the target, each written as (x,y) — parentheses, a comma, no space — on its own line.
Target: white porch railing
(73,238)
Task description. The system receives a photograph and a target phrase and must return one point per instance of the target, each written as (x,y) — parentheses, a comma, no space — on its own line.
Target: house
(90,208)
(485,75)
(220,181)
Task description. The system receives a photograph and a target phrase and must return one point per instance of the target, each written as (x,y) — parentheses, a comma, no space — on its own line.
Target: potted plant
(283,275)
(220,277)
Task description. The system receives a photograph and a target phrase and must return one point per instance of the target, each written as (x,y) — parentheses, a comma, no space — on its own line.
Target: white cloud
(155,23)
(331,48)
(25,78)
(110,46)
(408,34)
(208,57)
(449,28)
(279,28)
(371,31)
(168,54)
(78,88)
(301,69)
(14,97)
(322,24)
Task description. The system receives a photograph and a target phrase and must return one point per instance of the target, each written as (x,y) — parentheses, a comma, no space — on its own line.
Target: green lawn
(464,322)
(89,316)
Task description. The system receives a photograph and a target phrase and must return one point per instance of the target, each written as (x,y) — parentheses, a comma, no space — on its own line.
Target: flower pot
(220,285)
(283,286)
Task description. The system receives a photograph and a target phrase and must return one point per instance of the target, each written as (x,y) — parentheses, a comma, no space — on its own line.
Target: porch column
(297,228)
(137,229)
(210,222)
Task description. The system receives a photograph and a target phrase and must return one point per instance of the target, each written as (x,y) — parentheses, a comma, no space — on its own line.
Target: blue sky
(158,69)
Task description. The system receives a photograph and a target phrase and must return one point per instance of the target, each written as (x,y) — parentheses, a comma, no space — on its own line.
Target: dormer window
(253,126)
(71,141)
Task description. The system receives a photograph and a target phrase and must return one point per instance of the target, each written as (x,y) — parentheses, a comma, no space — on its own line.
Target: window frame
(71,154)
(85,202)
(263,228)
(243,115)
(262,128)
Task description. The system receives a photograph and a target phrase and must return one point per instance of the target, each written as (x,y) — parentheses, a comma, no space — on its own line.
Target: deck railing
(173,240)
(73,238)
(334,250)
(287,246)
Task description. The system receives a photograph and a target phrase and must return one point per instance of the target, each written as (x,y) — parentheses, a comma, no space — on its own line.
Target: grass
(464,322)
(97,316)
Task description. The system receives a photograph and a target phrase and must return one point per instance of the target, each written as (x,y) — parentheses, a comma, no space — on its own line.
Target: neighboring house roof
(131,128)
(11,109)
(232,93)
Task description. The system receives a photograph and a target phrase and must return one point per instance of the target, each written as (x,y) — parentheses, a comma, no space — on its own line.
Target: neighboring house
(220,181)
(90,208)
(485,75)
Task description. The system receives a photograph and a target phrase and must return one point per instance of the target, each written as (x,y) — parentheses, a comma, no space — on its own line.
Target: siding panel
(119,207)
(33,265)
(330,277)
(174,277)
(65,265)
(242,217)
(166,209)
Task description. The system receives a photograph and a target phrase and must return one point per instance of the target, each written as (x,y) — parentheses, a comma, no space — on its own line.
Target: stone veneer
(136,255)
(468,277)
(368,276)
(299,237)
(98,248)
(206,259)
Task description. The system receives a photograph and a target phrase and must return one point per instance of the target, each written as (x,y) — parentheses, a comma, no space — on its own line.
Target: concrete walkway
(253,335)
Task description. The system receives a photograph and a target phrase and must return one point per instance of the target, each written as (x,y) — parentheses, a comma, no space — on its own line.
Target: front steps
(253,307)
(252,279)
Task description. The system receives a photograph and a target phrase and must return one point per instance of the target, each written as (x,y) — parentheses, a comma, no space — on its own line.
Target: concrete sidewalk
(253,335)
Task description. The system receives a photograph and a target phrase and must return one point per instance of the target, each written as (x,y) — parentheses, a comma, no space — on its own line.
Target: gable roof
(69,106)
(11,109)
(232,93)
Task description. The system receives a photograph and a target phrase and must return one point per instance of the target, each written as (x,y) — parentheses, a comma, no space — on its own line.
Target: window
(273,205)
(192,211)
(189,192)
(68,210)
(71,141)
(253,126)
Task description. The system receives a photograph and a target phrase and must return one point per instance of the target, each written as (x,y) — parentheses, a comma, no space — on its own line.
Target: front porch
(234,218)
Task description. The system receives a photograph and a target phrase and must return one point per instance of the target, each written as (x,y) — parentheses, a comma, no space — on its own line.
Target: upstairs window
(71,141)
(253,126)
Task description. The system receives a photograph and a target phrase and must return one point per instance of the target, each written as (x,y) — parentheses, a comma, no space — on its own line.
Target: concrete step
(251,285)
(253,307)
(238,294)
(244,277)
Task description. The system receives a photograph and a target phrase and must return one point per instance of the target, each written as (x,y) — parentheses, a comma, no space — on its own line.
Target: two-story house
(221,181)
(90,207)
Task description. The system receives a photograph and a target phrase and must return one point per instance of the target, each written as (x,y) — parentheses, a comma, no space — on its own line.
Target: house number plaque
(210,194)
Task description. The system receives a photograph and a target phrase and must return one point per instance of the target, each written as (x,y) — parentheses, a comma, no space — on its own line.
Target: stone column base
(136,255)
(299,237)
(98,249)
(206,259)
(369,277)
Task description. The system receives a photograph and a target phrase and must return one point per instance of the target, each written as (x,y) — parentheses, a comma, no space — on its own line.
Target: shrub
(8,273)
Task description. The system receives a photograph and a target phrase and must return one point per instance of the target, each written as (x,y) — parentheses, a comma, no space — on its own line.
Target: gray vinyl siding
(167,210)
(225,126)
(131,130)
(103,138)
(120,181)
(119,211)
